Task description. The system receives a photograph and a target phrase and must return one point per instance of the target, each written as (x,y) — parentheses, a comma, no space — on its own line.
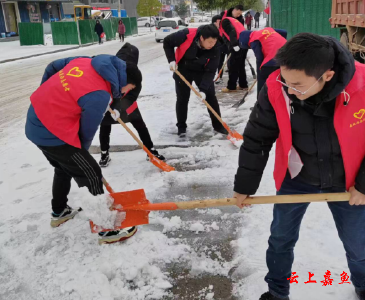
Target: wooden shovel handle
(265,200)
(252,85)
(200,96)
(221,70)
(107,186)
(129,131)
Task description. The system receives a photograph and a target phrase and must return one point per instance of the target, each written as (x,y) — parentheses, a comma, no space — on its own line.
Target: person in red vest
(197,58)
(248,20)
(230,29)
(265,43)
(314,108)
(64,115)
(216,20)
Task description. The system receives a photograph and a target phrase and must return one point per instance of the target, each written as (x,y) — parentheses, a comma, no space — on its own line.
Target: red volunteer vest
(55,101)
(220,24)
(181,50)
(349,123)
(237,26)
(270,40)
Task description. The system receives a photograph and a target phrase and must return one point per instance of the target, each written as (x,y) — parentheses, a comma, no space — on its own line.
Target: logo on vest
(75,72)
(359,115)
(63,80)
(267,33)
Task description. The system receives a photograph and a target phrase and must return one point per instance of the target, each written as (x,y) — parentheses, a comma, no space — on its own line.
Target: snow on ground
(38,262)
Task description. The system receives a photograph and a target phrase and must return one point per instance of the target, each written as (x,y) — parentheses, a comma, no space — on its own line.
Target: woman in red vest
(64,115)
(197,57)
(230,30)
(314,108)
(264,43)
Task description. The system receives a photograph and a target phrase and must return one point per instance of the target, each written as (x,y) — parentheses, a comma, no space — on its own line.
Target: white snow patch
(197,227)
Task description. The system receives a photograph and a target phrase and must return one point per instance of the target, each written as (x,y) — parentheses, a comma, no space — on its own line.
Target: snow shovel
(233,135)
(136,206)
(153,159)
(239,103)
(221,70)
(252,70)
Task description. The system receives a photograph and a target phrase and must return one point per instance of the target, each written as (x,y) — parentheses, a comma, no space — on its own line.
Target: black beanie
(134,75)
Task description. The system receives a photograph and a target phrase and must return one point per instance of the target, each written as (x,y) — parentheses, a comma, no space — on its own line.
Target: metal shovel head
(158,162)
(128,217)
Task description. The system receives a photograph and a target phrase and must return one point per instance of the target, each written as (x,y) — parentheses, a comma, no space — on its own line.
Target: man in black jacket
(198,63)
(129,112)
(310,104)
(216,20)
(237,69)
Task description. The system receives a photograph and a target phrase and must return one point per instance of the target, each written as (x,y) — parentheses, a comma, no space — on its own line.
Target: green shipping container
(303,16)
(64,33)
(31,34)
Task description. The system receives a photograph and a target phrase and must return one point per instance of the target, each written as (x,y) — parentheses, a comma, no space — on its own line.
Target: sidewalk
(11,51)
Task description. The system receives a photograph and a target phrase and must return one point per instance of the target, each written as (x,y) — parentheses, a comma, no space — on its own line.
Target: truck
(349,17)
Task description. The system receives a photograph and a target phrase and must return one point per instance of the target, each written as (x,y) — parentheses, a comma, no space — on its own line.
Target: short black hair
(307,52)
(239,7)
(134,75)
(209,31)
(216,18)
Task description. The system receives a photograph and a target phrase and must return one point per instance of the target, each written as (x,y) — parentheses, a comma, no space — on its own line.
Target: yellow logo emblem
(75,72)
(360,114)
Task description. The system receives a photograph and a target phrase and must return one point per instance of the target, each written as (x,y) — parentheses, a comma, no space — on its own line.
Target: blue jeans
(350,224)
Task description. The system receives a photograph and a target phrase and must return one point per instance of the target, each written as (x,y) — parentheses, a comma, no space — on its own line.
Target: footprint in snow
(26,166)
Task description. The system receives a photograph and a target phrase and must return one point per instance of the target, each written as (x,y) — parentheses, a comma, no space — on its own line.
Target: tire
(147,25)
(158,41)
(344,40)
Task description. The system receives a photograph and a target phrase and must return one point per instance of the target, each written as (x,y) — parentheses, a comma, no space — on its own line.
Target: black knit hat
(134,75)
(216,18)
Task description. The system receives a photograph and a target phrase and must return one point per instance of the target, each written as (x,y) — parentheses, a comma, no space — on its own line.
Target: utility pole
(119,9)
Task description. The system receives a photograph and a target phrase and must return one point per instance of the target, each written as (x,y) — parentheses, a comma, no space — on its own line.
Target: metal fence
(31,34)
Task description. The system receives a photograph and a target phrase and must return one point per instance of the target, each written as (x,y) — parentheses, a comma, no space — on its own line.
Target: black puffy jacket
(313,134)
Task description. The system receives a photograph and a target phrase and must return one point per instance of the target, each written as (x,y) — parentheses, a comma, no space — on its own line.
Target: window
(78,12)
(167,24)
(180,23)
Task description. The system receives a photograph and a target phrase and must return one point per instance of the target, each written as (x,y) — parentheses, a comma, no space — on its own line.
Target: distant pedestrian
(257,19)
(248,20)
(121,30)
(99,30)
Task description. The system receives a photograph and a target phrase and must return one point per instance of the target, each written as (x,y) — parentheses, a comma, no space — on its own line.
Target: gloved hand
(236,48)
(173,66)
(204,97)
(116,114)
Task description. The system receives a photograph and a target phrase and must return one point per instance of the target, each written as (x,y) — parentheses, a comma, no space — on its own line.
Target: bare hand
(240,199)
(356,198)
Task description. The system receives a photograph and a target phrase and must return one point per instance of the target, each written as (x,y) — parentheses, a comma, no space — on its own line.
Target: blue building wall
(23,11)
(44,11)
(2,21)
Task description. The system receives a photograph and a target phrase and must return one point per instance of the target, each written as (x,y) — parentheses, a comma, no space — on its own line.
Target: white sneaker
(109,237)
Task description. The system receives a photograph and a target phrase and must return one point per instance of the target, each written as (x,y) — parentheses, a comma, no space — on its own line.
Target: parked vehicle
(168,26)
(146,22)
(158,19)
(351,21)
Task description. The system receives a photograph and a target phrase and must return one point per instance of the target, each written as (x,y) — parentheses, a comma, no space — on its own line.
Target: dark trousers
(249,26)
(257,23)
(70,162)
(136,121)
(262,75)
(350,224)
(221,62)
(121,37)
(237,69)
(99,39)
(183,95)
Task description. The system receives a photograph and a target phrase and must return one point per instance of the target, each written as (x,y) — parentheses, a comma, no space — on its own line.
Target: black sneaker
(105,159)
(181,132)
(360,295)
(67,214)
(115,236)
(155,153)
(222,130)
(269,296)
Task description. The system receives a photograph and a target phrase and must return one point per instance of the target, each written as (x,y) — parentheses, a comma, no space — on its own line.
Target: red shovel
(137,208)
(233,135)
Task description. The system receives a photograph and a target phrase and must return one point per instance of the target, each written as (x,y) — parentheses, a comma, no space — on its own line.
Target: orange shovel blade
(158,162)
(233,135)
(132,217)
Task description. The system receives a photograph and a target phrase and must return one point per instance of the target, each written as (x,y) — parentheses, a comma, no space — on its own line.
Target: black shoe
(360,295)
(181,132)
(67,214)
(268,296)
(221,130)
(155,153)
(105,159)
